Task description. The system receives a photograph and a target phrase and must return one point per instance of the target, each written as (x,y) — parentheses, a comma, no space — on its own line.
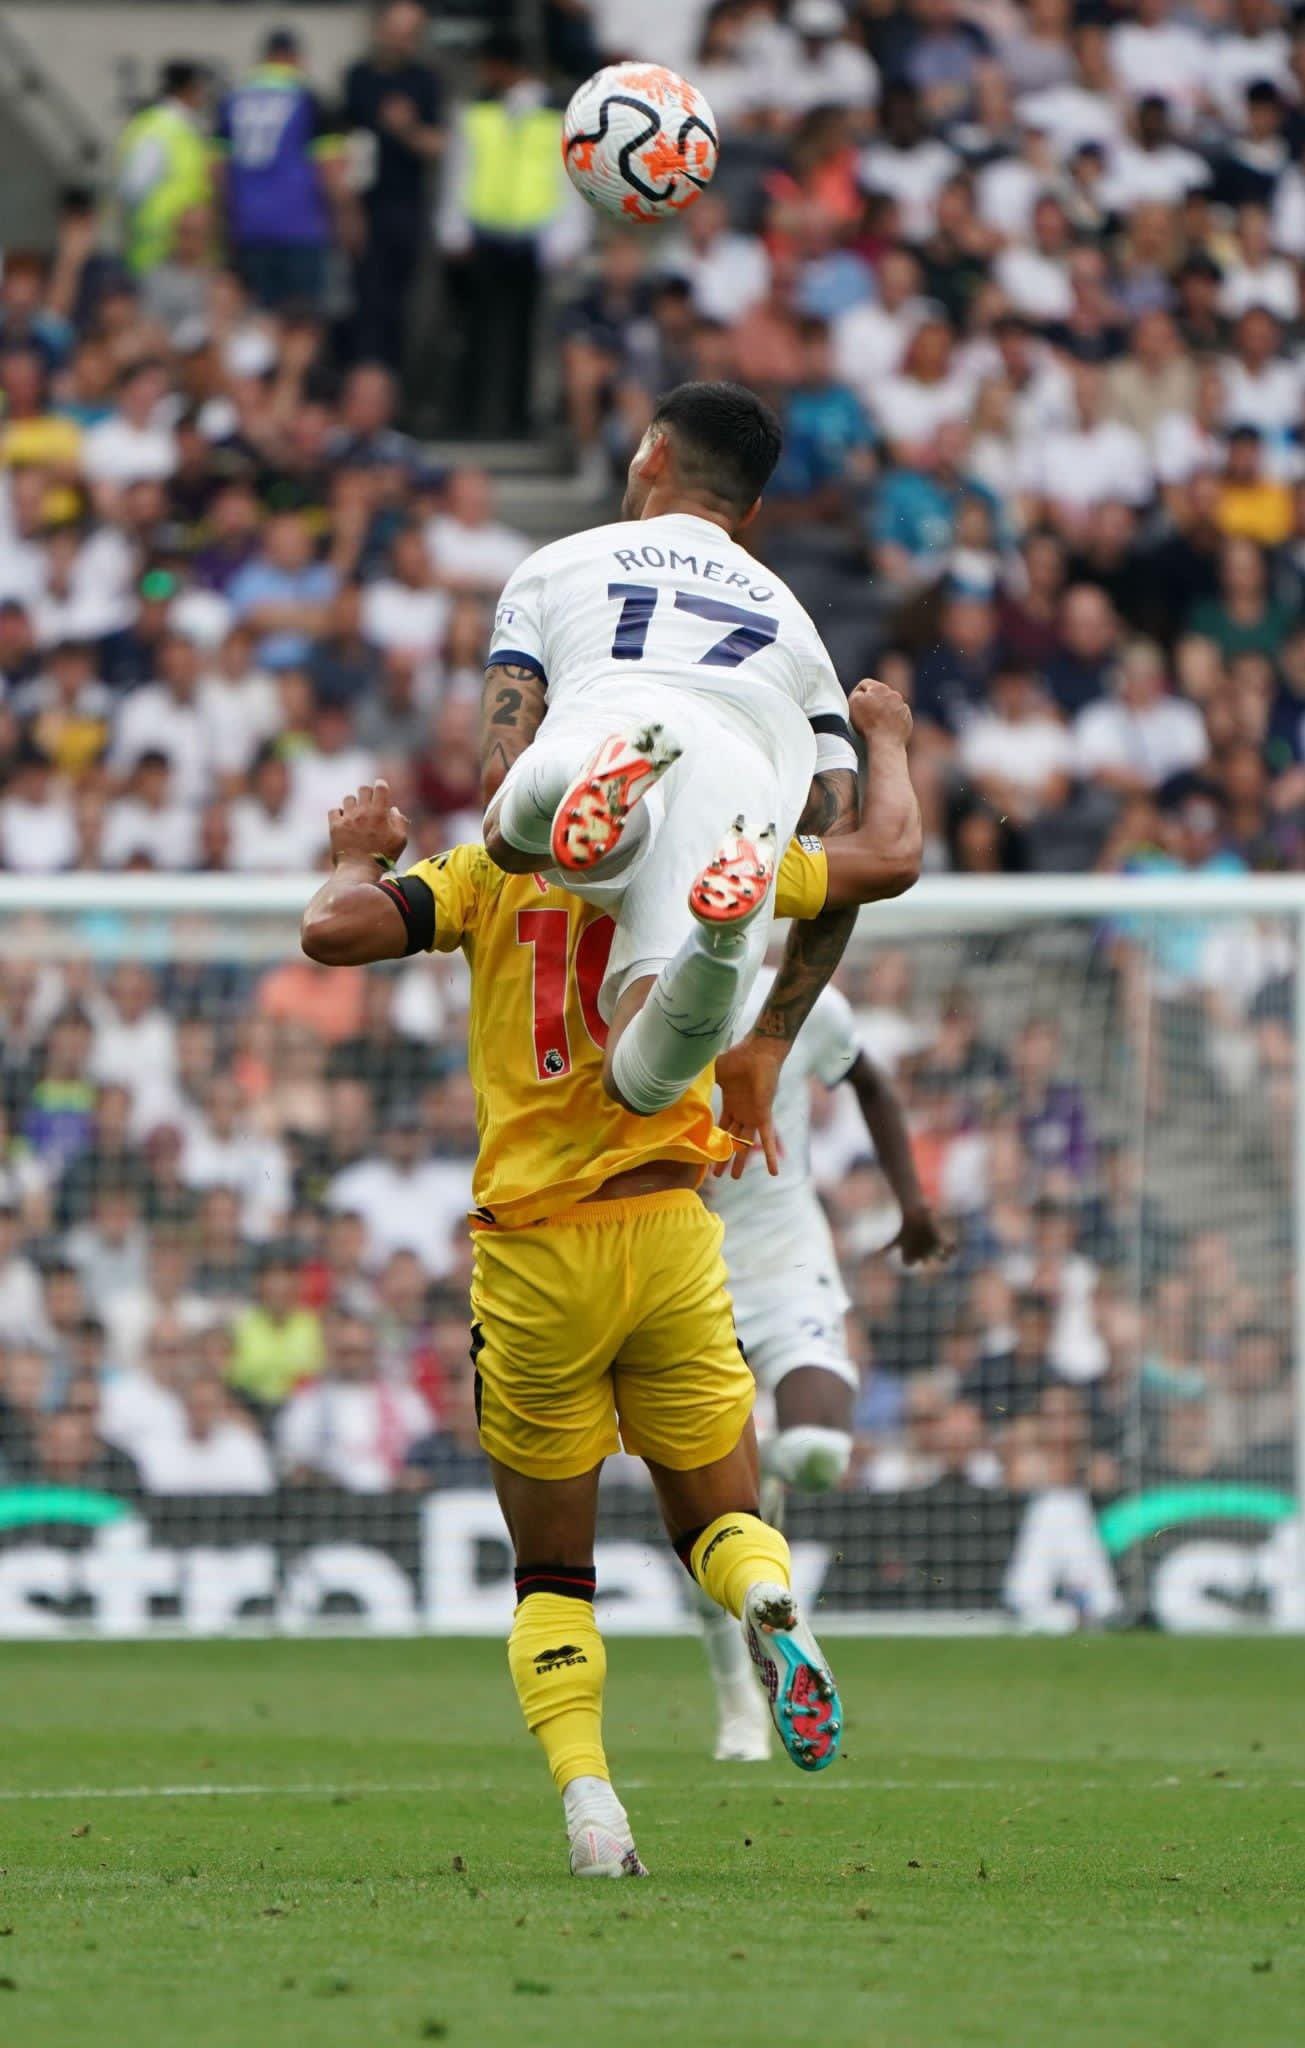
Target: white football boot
(599,1830)
(797,1680)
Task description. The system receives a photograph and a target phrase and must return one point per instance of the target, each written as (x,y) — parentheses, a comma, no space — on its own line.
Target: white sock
(727,1654)
(592,1800)
(528,800)
(687,1019)
(774,1496)
(813,1459)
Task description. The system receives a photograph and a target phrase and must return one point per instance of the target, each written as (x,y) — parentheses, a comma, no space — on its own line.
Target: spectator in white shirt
(165,1291)
(906,163)
(89,585)
(135,1038)
(1071,471)
(931,390)
(1136,740)
(336,764)
(109,1250)
(22,555)
(1035,275)
(1008,187)
(1255,51)
(1154,54)
(820,66)
(239,708)
(1188,444)
(226,1150)
(142,1405)
(1080,108)
(147,827)
(1017,753)
(164,717)
(470,550)
(1154,170)
(38,834)
(214,1447)
(870,339)
(408,1200)
(271,833)
(134,445)
(729,69)
(727,273)
(1261,388)
(1256,276)
(406,611)
(350,1428)
(23,1320)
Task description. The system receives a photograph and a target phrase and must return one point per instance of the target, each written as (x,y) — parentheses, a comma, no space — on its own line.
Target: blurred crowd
(1025,284)
(233,1246)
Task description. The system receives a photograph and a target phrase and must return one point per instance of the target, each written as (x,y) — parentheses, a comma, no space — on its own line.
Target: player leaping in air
(598,1290)
(667,657)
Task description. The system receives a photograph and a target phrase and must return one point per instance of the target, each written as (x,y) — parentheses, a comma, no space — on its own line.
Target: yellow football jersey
(549,1134)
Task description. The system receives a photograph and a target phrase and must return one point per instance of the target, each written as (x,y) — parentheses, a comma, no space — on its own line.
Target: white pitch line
(207,1791)
(922,1787)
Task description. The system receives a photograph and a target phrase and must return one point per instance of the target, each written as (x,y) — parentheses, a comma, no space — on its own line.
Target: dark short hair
(280,42)
(726,439)
(180,74)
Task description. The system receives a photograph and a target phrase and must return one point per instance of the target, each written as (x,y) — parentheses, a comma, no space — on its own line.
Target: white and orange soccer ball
(639,142)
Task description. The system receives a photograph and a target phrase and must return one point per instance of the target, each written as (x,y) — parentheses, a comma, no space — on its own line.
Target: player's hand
(747,1076)
(923,1239)
(878,711)
(368,826)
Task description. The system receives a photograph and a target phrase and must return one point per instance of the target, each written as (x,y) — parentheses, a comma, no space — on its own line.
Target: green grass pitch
(1082,1841)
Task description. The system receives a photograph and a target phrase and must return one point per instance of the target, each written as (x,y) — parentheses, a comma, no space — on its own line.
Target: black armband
(415,901)
(829,723)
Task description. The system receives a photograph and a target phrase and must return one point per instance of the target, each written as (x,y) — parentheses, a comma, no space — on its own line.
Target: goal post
(1091,1418)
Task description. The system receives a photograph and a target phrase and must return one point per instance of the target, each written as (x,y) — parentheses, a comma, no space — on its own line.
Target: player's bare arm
(511,713)
(749,1073)
(879,858)
(353,919)
(923,1238)
(882,857)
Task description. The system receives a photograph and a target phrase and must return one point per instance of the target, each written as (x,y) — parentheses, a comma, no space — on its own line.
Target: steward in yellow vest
(504,191)
(164,166)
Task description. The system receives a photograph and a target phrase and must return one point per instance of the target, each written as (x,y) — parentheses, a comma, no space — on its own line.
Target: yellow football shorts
(610,1317)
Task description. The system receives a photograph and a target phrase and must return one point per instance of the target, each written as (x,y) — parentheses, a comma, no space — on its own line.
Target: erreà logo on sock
(719,1537)
(553,1660)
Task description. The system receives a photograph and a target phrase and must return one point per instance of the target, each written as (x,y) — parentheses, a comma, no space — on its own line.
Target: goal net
(234,1382)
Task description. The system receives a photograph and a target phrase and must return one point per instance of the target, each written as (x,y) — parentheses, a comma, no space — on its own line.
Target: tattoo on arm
(815,947)
(512,712)
(831,807)
(816,944)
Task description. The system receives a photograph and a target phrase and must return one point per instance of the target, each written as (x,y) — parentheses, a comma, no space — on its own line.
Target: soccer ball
(639,142)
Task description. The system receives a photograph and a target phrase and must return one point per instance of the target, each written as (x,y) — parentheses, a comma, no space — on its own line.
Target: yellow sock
(735,1553)
(558,1665)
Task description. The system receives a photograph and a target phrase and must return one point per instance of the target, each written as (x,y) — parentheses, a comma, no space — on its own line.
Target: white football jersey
(672,601)
(776,1234)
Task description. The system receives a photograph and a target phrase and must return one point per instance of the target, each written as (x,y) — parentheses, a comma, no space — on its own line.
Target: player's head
(708,445)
